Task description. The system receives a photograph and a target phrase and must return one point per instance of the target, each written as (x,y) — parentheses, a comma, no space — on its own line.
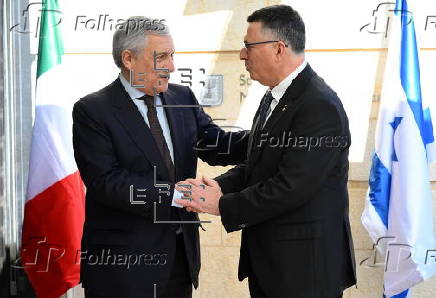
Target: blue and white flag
(398,213)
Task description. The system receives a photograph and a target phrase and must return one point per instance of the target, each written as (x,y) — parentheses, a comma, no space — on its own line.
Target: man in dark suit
(290,197)
(130,151)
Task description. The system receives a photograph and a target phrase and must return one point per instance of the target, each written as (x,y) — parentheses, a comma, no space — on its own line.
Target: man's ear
(279,52)
(281,48)
(126,58)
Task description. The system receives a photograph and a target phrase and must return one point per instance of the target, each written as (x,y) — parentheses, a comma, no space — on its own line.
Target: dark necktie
(257,128)
(156,131)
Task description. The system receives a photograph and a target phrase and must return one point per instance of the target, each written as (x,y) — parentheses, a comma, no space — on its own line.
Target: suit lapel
(286,104)
(131,119)
(175,121)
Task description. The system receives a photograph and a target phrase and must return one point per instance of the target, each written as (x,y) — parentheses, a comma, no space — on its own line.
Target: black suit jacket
(290,198)
(124,250)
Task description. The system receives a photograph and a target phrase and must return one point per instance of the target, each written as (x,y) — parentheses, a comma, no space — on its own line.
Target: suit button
(242,226)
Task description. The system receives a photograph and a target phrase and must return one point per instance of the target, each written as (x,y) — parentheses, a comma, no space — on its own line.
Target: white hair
(132,35)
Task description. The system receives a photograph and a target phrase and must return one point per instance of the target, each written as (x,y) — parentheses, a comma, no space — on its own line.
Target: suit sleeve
(111,184)
(233,180)
(300,173)
(216,146)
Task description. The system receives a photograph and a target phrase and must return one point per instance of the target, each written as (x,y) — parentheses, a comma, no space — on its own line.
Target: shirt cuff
(177,195)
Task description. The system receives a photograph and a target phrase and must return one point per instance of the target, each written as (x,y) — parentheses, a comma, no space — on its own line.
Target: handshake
(200,195)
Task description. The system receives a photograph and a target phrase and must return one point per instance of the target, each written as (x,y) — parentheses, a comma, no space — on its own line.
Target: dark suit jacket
(291,201)
(124,250)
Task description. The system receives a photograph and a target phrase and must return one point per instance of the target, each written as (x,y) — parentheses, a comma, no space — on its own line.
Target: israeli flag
(398,212)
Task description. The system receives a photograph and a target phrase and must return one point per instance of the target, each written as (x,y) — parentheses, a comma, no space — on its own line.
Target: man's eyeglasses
(248,45)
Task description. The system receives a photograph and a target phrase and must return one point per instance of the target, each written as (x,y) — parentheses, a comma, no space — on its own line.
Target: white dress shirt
(278,91)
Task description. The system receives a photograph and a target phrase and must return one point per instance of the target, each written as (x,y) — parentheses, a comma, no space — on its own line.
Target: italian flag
(54,209)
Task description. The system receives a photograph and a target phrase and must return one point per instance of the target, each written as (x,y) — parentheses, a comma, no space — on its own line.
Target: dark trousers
(257,292)
(179,283)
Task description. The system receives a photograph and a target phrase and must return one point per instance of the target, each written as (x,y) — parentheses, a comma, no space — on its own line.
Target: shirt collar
(133,92)
(279,90)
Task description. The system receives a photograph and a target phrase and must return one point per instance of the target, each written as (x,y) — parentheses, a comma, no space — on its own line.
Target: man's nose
(171,66)
(243,54)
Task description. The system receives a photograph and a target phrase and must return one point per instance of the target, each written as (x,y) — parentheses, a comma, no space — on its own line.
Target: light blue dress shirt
(142,107)
(163,121)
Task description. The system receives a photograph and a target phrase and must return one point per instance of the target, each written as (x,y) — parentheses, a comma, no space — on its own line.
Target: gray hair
(131,35)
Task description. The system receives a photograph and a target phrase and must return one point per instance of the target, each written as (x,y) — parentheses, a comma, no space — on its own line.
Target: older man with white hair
(133,140)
